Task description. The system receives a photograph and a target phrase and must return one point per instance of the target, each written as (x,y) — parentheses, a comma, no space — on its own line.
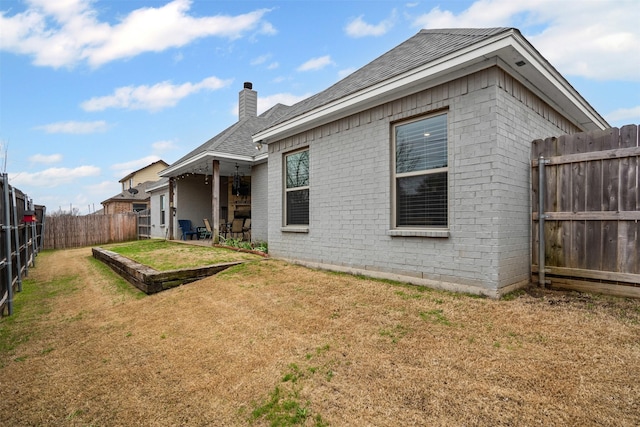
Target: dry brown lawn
(270,339)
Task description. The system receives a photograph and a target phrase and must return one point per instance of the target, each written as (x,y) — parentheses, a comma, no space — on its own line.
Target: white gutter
(533,57)
(203,156)
(463,57)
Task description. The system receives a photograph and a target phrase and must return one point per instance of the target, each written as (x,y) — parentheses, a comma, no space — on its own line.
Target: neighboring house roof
(233,143)
(161,184)
(162,162)
(139,195)
(433,57)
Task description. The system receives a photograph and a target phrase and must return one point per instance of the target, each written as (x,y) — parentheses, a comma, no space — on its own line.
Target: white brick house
(416,166)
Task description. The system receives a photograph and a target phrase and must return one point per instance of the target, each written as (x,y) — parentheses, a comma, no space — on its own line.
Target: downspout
(541,217)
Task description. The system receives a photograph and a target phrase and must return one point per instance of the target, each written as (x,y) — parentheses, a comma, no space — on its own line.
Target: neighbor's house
(133,197)
(147,173)
(221,180)
(416,166)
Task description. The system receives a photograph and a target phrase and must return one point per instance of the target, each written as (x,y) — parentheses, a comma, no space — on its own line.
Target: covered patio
(210,199)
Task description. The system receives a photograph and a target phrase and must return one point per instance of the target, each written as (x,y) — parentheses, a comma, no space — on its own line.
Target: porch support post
(215,202)
(172,206)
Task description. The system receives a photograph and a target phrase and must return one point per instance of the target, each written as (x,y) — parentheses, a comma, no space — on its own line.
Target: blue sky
(93,90)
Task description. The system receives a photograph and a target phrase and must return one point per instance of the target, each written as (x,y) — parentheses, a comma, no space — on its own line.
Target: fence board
(592,207)
(19,241)
(67,231)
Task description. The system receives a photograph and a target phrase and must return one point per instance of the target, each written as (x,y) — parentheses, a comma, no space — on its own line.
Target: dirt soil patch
(270,343)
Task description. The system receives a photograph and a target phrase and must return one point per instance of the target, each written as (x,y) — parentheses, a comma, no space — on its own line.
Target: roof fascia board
(156,188)
(459,59)
(205,155)
(260,158)
(533,57)
(456,59)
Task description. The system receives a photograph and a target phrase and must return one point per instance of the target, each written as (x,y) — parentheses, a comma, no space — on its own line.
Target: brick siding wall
(490,128)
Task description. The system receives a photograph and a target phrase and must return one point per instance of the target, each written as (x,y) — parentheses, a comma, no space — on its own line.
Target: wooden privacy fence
(20,241)
(591,217)
(144,224)
(69,231)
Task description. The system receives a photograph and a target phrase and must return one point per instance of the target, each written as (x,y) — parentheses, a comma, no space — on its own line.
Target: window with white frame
(297,188)
(162,209)
(420,175)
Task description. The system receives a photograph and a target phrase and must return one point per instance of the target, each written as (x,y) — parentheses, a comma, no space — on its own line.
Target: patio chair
(236,227)
(206,232)
(246,229)
(187,229)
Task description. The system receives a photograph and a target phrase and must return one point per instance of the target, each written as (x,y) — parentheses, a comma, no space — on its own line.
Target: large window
(297,188)
(421,168)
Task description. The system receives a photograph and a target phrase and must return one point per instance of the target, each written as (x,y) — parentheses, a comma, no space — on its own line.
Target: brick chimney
(248,105)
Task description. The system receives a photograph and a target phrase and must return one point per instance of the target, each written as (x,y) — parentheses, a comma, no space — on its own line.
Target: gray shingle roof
(423,48)
(125,195)
(236,139)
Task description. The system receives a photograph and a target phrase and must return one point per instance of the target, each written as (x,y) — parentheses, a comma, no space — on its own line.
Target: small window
(421,173)
(297,188)
(162,209)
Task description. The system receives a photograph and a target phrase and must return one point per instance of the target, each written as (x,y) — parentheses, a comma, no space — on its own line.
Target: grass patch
(120,285)
(163,255)
(435,316)
(405,295)
(513,295)
(29,307)
(284,406)
(395,333)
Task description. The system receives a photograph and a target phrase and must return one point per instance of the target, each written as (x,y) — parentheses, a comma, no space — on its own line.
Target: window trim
(294,228)
(417,231)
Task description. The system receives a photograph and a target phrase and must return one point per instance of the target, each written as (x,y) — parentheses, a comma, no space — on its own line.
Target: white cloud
(632,115)
(46,159)
(261,59)
(266,102)
(101,191)
(605,50)
(163,146)
(273,66)
(359,28)
(152,98)
(64,33)
(73,127)
(53,177)
(103,187)
(316,63)
(124,169)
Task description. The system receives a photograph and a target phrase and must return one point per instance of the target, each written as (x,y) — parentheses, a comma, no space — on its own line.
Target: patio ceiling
(203,163)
